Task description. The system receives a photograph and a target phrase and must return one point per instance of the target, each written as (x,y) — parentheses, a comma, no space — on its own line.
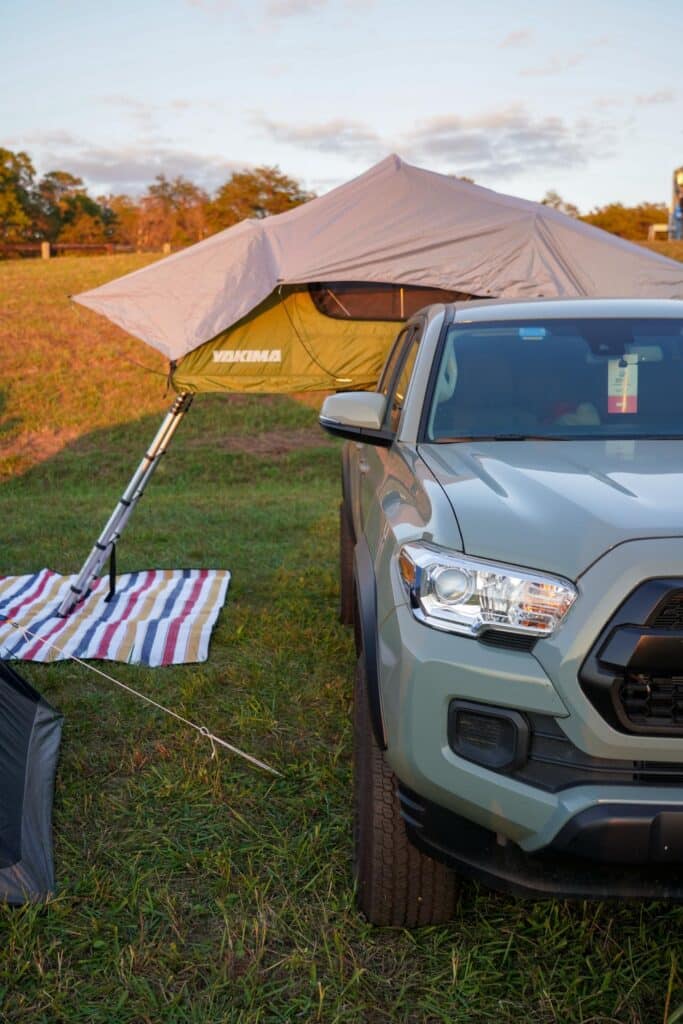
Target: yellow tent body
(286,344)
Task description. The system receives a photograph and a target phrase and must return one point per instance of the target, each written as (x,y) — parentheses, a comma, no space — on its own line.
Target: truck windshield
(560,379)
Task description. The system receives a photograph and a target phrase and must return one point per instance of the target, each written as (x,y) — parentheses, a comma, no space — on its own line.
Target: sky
(584,98)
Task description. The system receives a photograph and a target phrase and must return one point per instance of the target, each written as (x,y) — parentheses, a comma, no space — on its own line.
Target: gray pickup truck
(512,561)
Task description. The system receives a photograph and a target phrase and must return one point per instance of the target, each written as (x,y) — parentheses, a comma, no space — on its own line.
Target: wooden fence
(46,250)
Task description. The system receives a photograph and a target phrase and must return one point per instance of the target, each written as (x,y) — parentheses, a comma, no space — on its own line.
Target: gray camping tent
(304,300)
(309,299)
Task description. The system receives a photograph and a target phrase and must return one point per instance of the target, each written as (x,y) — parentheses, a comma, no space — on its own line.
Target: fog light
(496,738)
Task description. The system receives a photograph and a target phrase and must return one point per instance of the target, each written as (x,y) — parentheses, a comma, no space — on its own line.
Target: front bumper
(423,670)
(566,868)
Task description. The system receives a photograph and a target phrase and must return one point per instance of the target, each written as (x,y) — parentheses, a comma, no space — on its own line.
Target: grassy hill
(66,371)
(197,890)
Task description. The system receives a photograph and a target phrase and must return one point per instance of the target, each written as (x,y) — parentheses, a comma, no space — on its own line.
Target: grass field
(199,890)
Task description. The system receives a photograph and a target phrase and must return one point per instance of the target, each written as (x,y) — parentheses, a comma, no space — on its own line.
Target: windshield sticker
(622,384)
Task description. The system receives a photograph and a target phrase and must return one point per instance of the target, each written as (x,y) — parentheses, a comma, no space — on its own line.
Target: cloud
(51,137)
(655,98)
(338,136)
(271,9)
(606,102)
(518,38)
(559,63)
(554,66)
(215,6)
(287,8)
(130,168)
(508,142)
(485,146)
(488,146)
(143,114)
(147,115)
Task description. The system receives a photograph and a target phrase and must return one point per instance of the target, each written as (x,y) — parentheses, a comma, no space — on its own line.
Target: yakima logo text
(247,355)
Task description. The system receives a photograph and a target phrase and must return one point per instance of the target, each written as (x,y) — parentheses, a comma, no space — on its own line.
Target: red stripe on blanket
(113,626)
(172,637)
(30,596)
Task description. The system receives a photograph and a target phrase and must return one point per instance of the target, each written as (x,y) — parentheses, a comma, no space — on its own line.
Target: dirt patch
(37,446)
(270,442)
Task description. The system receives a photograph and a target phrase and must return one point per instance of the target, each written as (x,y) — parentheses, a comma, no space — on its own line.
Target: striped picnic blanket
(156,617)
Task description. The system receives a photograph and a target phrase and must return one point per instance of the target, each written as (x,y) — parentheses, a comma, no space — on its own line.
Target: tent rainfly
(308,300)
(30,732)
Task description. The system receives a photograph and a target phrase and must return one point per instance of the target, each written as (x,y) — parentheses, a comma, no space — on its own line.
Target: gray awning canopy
(397,224)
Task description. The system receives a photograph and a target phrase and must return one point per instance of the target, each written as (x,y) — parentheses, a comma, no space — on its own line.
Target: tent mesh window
(361,300)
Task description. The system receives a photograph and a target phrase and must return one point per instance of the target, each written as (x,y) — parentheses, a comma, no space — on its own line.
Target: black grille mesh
(670,615)
(501,638)
(654,701)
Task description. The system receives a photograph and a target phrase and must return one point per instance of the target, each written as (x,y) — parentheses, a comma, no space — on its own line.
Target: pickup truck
(511,559)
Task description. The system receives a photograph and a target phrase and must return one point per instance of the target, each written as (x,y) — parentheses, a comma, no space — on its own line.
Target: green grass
(200,890)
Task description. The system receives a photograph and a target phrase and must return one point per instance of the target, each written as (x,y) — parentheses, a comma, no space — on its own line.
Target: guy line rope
(201,729)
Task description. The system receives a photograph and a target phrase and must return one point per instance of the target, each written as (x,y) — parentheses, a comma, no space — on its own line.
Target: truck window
(564,379)
(402,381)
(393,359)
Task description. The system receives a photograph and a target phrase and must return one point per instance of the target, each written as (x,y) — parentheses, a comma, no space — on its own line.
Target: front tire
(397,884)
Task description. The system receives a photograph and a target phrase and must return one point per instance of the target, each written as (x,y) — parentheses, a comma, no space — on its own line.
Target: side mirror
(356,415)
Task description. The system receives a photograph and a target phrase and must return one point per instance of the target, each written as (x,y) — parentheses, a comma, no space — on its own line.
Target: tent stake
(92,567)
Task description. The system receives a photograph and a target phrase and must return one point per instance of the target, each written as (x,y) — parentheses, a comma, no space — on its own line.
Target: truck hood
(559,505)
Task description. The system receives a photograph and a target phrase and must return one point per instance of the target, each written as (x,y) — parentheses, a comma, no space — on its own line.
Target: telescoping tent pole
(104,545)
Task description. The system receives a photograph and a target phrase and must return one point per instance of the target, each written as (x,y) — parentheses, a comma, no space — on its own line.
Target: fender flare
(366,606)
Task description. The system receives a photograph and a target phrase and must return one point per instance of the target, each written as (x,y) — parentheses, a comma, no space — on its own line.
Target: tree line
(57,208)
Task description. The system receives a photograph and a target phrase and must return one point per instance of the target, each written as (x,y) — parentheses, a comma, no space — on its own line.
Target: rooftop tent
(308,300)
(30,732)
(244,292)
(306,328)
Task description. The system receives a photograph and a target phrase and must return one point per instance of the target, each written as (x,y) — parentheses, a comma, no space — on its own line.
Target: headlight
(466,595)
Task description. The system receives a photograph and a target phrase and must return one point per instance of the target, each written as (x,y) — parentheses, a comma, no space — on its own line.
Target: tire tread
(397,884)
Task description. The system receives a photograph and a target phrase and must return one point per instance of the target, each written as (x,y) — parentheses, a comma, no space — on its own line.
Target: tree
(87,224)
(555,200)
(172,211)
(125,222)
(16,196)
(628,221)
(56,203)
(258,193)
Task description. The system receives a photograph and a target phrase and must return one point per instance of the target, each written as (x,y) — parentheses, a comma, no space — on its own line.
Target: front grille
(653,701)
(633,674)
(670,615)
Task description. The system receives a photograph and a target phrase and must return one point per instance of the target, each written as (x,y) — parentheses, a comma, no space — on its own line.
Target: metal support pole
(92,567)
